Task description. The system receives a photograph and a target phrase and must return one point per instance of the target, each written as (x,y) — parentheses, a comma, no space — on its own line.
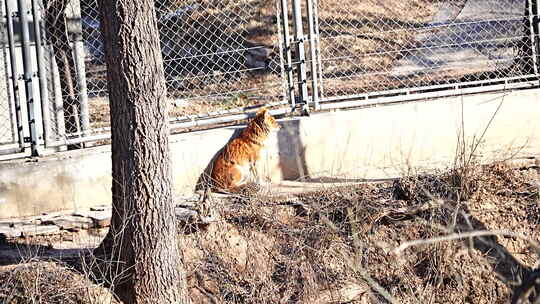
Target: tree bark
(144,263)
(58,37)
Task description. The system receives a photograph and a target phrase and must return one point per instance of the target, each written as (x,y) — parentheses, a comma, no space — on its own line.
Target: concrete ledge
(372,143)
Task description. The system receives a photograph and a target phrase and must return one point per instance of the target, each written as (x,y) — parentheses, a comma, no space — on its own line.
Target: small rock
(10,222)
(184,214)
(68,238)
(48,215)
(101,208)
(99,218)
(30,230)
(185,203)
(35,222)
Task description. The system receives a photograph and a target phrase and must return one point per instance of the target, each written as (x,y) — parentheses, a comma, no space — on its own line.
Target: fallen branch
(358,268)
(457,236)
(527,287)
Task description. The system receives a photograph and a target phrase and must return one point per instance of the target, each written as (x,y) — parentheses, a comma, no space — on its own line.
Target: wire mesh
(219,57)
(225,53)
(7,123)
(222,57)
(373,46)
(61,69)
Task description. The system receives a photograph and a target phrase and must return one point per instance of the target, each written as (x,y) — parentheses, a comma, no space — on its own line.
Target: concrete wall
(369,143)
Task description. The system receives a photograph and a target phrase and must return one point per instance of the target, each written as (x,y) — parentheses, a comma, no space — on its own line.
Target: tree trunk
(141,247)
(58,37)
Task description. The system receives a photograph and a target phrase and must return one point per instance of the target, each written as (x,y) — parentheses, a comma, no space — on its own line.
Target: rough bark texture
(58,37)
(142,238)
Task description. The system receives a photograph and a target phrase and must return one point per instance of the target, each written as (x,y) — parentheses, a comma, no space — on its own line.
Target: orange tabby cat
(235,166)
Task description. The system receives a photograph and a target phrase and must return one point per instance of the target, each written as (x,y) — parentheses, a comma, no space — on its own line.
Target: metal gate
(367,52)
(224,59)
(19,119)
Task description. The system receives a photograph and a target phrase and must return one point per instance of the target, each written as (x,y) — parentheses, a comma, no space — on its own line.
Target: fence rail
(223,59)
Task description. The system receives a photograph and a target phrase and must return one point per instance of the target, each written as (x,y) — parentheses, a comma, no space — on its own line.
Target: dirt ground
(445,238)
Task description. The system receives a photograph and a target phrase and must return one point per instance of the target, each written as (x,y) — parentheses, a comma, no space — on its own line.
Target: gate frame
(320,102)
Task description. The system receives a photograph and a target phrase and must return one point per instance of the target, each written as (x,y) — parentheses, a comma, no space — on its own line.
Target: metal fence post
(84,115)
(27,76)
(534,20)
(313,53)
(42,76)
(318,46)
(14,74)
(300,55)
(288,51)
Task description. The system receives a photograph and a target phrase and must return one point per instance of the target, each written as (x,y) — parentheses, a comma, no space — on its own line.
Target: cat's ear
(262,111)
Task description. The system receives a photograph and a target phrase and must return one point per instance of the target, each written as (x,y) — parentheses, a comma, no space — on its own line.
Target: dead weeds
(38,281)
(337,245)
(410,241)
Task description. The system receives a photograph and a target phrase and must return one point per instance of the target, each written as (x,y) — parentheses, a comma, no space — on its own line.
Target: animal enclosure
(224,59)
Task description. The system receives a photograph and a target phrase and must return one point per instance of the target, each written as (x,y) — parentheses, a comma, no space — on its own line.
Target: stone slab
(70,222)
(100,219)
(33,230)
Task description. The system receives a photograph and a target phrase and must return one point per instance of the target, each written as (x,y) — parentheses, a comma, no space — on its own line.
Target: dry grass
(339,243)
(349,245)
(38,281)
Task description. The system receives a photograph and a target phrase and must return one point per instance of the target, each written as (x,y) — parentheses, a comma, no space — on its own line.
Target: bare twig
(457,236)
(363,273)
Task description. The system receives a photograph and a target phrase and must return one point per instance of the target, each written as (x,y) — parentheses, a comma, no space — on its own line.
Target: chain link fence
(411,46)
(223,58)
(9,133)
(7,123)
(219,57)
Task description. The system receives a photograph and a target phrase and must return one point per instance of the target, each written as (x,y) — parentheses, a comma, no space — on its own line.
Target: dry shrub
(335,246)
(338,245)
(424,188)
(39,281)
